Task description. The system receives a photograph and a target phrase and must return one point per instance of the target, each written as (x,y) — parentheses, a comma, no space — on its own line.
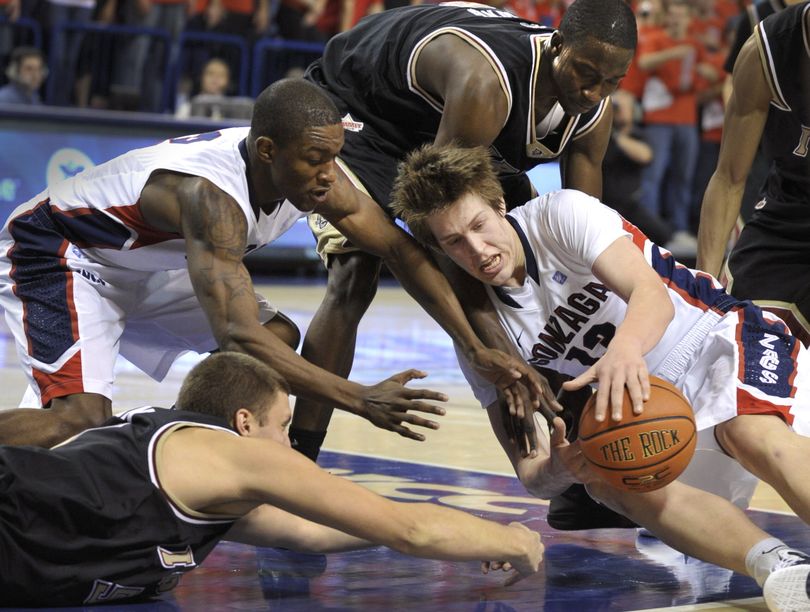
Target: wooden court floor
(460,465)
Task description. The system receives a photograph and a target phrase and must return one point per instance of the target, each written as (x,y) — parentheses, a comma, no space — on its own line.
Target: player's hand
(567,457)
(523,565)
(522,386)
(622,366)
(388,404)
(521,431)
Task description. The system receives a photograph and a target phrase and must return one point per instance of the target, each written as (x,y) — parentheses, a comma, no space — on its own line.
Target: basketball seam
(626,425)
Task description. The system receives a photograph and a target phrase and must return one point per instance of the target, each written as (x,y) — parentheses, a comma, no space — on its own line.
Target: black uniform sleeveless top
(86,522)
(781,39)
(370,72)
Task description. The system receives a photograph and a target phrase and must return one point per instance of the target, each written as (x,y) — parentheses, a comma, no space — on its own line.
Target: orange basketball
(641,452)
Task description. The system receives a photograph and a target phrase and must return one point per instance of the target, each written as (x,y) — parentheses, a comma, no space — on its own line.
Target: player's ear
(265,149)
(243,421)
(502,207)
(555,43)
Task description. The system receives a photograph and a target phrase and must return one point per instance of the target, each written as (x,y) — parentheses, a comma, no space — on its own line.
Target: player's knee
(754,440)
(353,280)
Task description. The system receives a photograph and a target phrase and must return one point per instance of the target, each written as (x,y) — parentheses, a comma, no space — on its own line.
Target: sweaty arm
(215,231)
(366,225)
(238,473)
(475,107)
(745,118)
(623,269)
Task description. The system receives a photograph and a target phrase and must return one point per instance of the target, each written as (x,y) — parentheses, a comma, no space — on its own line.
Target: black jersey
(370,72)
(754,13)
(781,39)
(87,522)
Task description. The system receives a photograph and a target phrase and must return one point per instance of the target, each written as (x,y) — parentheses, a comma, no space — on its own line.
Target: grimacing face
(479,239)
(587,73)
(304,170)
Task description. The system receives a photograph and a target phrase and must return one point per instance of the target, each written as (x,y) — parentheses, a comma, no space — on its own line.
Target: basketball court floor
(461,466)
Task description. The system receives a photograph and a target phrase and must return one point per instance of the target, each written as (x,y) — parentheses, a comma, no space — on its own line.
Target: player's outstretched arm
(745,118)
(358,218)
(256,471)
(215,230)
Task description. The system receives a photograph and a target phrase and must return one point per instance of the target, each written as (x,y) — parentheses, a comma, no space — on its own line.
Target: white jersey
(98,211)
(84,278)
(563,317)
(726,355)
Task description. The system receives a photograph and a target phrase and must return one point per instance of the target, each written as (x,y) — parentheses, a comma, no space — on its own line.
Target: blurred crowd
(668,113)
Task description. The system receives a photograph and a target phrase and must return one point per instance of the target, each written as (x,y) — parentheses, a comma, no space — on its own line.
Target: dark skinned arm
(475,110)
(745,118)
(215,232)
(358,218)
(581,164)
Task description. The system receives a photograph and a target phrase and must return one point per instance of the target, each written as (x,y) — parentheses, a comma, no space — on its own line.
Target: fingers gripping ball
(641,452)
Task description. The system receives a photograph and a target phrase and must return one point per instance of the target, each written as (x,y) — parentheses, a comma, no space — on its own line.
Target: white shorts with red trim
(73,319)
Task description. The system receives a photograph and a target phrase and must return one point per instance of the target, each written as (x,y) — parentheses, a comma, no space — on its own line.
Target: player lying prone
(173,483)
(584,293)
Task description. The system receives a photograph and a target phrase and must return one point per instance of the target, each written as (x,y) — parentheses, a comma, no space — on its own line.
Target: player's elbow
(410,536)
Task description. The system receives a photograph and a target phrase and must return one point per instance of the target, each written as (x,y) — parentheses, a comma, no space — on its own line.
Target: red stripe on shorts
(65,381)
(748,404)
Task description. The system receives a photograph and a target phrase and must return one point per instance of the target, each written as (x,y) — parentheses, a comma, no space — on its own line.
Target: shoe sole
(786,590)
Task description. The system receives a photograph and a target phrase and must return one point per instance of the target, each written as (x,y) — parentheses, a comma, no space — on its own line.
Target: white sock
(762,558)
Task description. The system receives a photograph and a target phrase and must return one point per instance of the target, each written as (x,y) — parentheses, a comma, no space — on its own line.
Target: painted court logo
(349,123)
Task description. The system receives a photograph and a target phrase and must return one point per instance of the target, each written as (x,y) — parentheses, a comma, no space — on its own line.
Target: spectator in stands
(139,71)
(215,85)
(293,22)
(247,18)
(10,10)
(26,72)
(65,46)
(627,154)
(671,59)
(710,115)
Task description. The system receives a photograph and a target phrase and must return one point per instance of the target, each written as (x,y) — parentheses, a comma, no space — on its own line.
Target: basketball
(641,452)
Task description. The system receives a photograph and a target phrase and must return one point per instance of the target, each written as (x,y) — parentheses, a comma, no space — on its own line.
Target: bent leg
(769,449)
(330,339)
(688,520)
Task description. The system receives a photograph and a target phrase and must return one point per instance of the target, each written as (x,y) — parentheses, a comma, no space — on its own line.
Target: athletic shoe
(787,588)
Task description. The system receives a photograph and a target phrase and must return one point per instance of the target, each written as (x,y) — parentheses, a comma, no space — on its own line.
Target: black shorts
(770,265)
(372,158)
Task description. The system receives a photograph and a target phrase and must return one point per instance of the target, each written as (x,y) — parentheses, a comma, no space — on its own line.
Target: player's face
(304,170)
(275,420)
(587,73)
(480,240)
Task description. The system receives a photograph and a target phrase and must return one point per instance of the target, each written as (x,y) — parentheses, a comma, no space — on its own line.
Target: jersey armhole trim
(180,510)
(766,59)
(594,121)
(477,44)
